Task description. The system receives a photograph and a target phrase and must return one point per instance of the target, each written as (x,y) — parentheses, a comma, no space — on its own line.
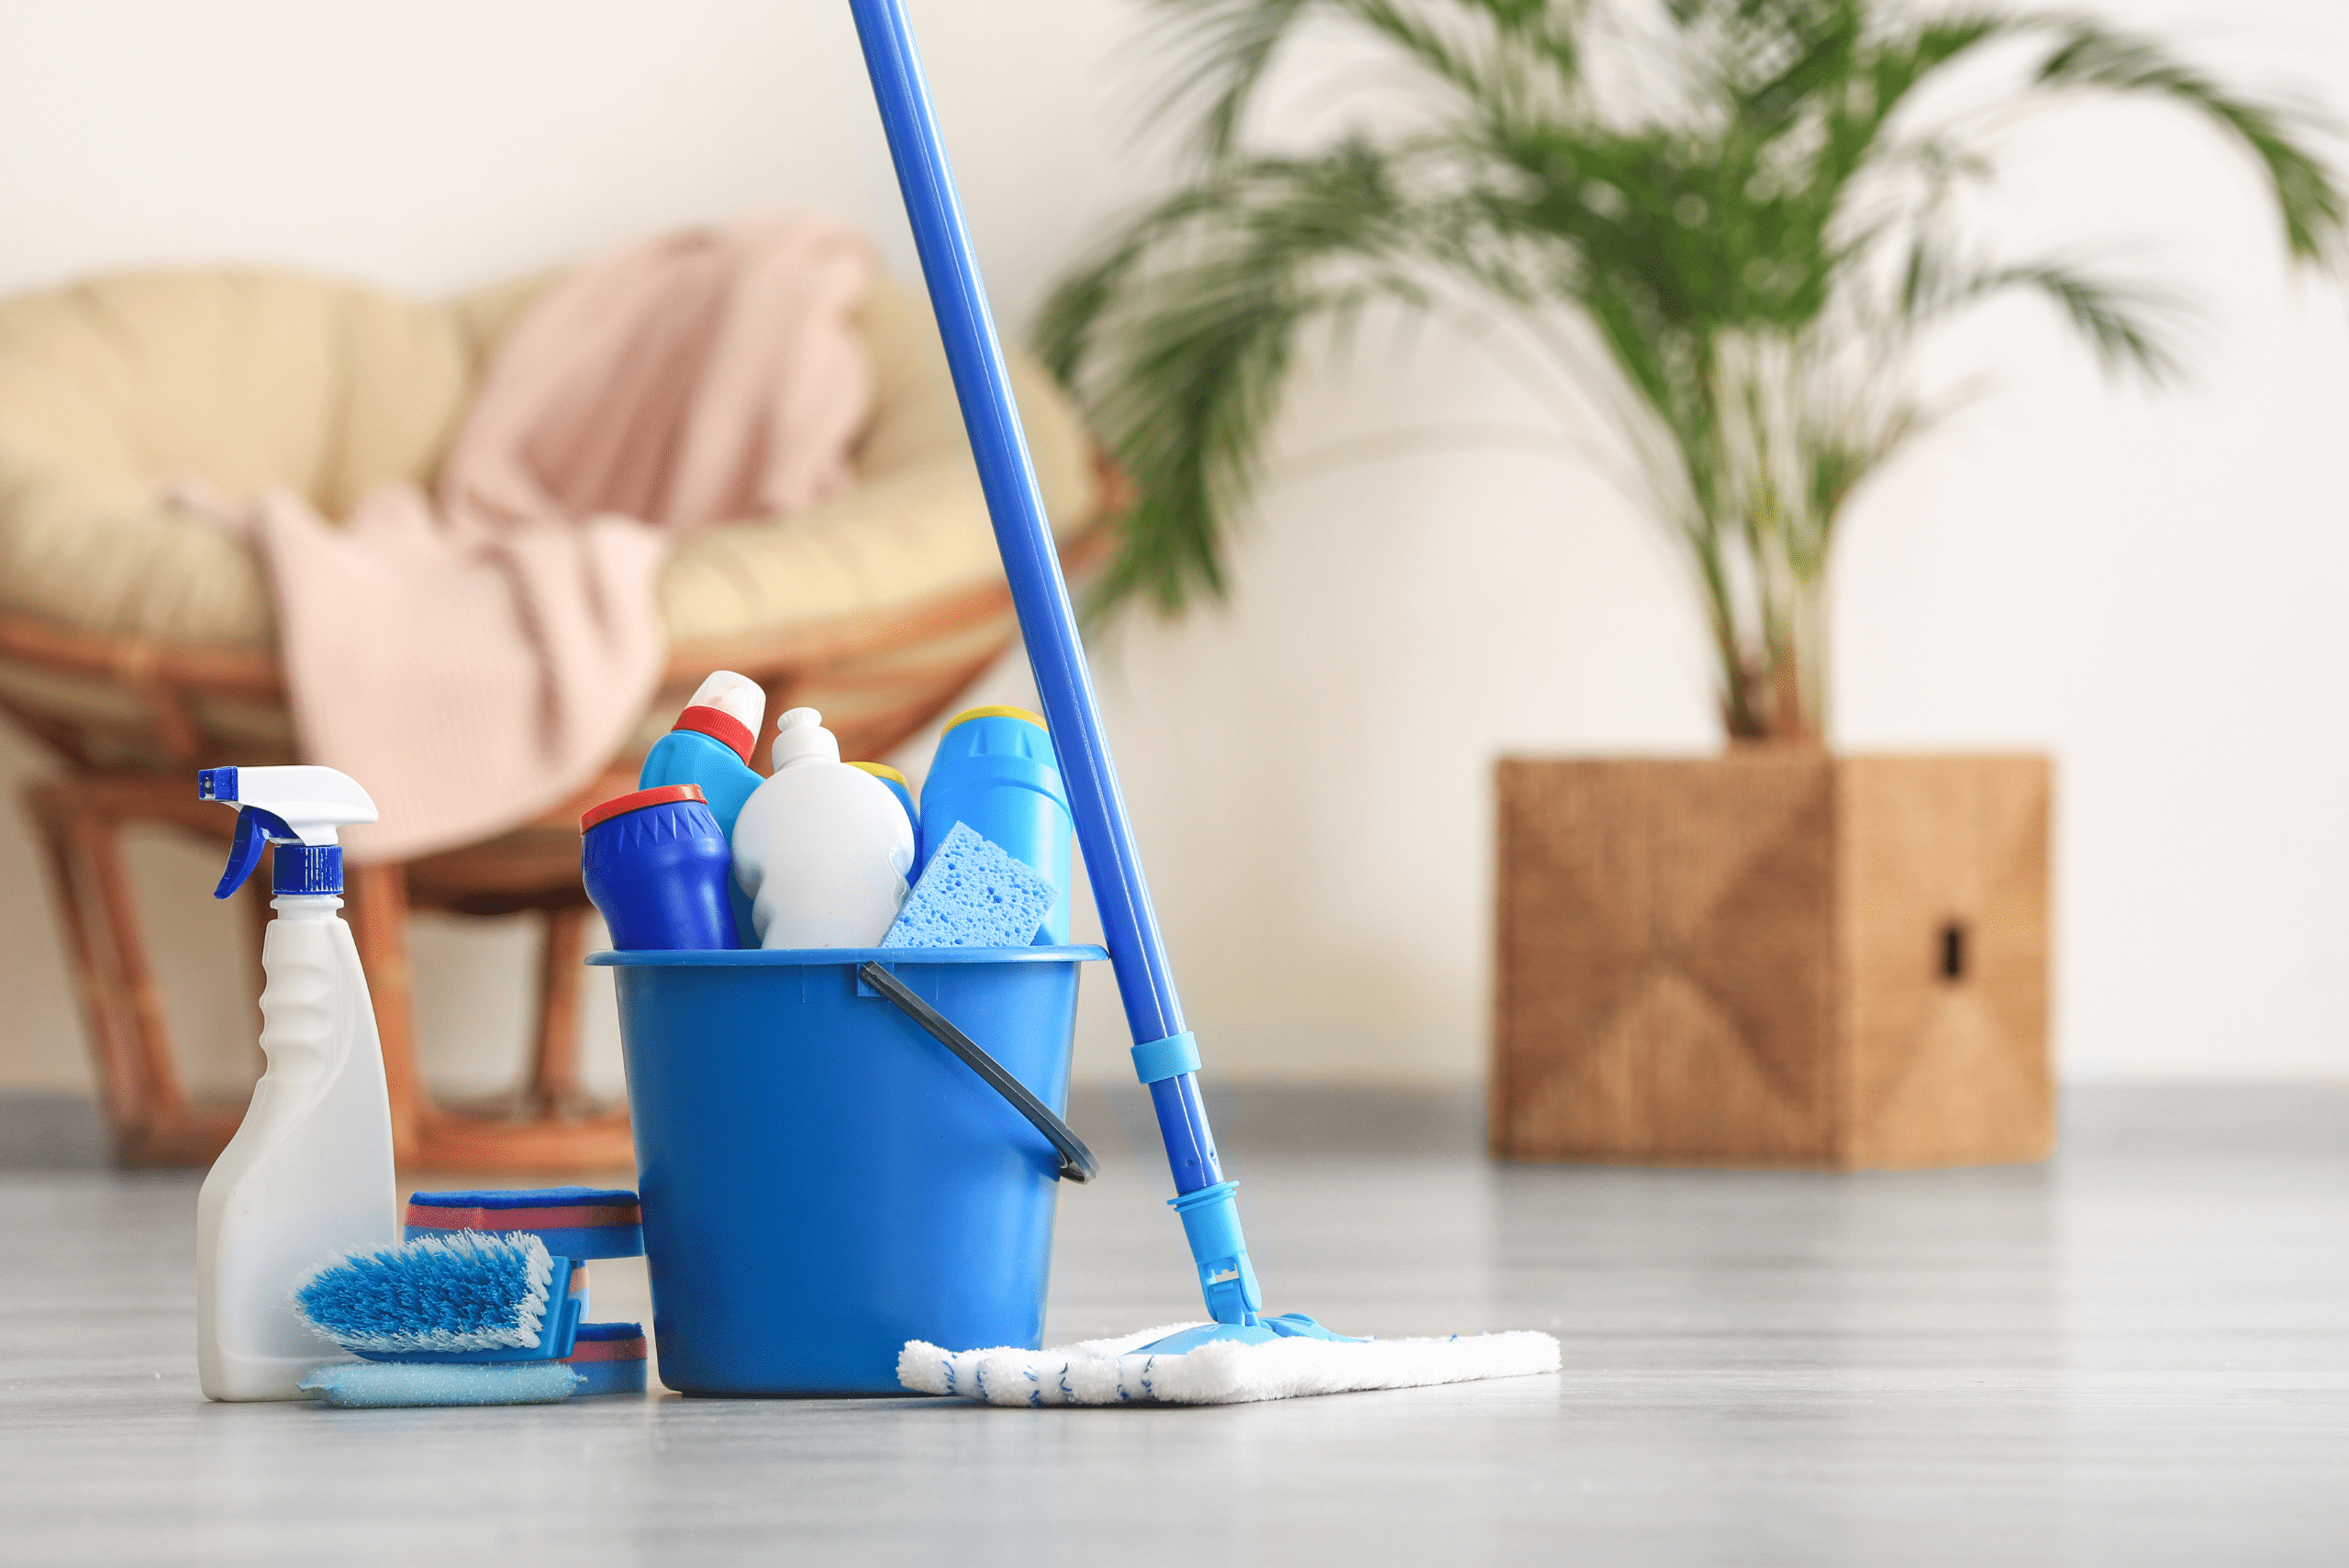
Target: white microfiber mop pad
(1108,1372)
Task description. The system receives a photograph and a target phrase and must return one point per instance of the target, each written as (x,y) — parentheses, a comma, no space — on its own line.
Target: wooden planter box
(1797,959)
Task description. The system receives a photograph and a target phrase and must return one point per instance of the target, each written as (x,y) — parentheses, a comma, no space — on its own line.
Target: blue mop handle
(1165,1056)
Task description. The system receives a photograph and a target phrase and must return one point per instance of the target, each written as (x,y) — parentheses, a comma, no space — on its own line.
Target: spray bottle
(309,1172)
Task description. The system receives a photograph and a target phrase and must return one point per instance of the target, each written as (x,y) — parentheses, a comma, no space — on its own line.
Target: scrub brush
(468,1295)
(453,1317)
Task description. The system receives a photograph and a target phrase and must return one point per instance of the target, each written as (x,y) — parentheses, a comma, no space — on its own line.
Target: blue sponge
(973,893)
(380,1383)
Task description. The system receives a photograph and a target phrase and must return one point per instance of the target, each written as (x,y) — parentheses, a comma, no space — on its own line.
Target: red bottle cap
(718,725)
(620,805)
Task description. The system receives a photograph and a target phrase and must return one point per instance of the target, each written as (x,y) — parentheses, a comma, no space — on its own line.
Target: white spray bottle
(309,1172)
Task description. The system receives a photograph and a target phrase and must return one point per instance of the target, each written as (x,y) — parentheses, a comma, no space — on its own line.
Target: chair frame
(82,814)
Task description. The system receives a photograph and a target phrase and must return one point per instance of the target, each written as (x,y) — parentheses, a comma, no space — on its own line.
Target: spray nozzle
(296,807)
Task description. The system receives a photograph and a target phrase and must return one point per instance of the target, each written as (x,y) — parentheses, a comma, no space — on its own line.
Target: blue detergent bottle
(996,770)
(658,870)
(711,747)
(897,787)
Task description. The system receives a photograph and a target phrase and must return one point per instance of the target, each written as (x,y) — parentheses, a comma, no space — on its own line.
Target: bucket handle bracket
(1077,1163)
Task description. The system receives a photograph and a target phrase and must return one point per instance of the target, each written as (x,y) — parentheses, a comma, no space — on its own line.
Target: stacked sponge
(481,1303)
(574,1222)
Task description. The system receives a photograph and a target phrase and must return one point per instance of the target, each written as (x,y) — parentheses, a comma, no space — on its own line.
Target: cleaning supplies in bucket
(710,746)
(995,770)
(822,848)
(659,871)
(823,1179)
(309,1171)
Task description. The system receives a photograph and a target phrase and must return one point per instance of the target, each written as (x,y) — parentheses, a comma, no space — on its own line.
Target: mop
(1241,1354)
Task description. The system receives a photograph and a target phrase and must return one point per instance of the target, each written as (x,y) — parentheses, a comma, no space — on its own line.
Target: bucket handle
(1077,1163)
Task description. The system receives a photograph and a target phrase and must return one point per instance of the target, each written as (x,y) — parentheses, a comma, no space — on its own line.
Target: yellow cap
(880,771)
(997,710)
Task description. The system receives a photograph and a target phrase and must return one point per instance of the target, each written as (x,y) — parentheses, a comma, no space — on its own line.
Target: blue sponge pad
(973,893)
(356,1385)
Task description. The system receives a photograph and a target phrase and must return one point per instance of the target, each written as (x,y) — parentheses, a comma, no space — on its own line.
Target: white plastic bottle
(309,1172)
(821,849)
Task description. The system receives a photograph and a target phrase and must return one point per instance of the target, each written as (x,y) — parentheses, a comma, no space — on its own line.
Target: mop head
(390,1384)
(1109,1371)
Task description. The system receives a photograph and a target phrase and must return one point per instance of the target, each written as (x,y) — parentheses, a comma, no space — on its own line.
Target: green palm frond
(2307,200)
(1757,246)
(1183,343)
(2115,321)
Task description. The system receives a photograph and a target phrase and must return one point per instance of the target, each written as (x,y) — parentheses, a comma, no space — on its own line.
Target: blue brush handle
(1129,927)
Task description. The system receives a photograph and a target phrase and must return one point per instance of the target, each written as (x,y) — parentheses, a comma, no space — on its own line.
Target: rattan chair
(878,608)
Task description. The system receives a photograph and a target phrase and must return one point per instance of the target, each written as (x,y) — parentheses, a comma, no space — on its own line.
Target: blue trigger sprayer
(309,1172)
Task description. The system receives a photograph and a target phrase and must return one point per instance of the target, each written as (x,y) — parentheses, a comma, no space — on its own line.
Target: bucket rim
(809,958)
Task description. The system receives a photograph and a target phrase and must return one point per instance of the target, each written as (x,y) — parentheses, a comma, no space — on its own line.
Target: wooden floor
(2138,1355)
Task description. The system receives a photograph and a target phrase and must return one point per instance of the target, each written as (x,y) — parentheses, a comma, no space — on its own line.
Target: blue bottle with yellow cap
(898,787)
(996,770)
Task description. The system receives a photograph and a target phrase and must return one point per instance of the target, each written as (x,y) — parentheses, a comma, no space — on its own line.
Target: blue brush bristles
(469,1291)
(973,893)
(378,1384)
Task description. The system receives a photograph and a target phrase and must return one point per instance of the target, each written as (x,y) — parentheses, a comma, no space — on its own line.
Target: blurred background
(2149,586)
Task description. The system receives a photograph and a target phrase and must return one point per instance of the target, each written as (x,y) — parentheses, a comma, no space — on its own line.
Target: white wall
(2151,586)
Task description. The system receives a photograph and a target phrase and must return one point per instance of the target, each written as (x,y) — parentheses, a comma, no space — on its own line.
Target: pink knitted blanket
(472,664)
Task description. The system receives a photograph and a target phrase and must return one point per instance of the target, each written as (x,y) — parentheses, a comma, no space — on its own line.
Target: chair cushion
(243,380)
(914,525)
(239,379)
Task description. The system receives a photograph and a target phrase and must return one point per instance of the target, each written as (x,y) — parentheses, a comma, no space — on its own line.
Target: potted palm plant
(1731,223)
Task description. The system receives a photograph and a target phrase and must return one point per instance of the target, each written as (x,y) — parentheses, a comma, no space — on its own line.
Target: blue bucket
(822,1180)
